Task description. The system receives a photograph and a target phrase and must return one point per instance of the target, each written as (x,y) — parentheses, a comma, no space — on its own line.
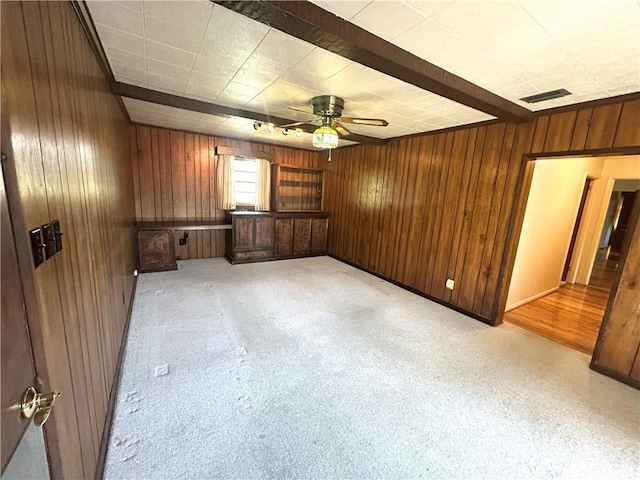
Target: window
(245,181)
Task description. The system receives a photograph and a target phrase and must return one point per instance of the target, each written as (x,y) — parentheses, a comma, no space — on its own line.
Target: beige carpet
(310,368)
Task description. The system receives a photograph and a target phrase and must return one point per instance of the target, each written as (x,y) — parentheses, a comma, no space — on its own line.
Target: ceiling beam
(308,22)
(176,101)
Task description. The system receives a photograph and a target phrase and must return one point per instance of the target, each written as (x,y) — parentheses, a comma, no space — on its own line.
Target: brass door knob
(39,404)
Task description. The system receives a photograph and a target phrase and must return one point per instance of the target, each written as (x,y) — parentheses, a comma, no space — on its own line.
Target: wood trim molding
(589,104)
(81,9)
(319,27)
(106,432)
(591,152)
(243,152)
(86,21)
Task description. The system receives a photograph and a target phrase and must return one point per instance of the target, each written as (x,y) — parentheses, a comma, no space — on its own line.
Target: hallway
(572,315)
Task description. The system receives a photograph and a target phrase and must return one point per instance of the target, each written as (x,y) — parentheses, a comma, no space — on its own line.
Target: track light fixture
(257,125)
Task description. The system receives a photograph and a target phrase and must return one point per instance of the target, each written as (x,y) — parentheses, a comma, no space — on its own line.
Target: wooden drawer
(253,254)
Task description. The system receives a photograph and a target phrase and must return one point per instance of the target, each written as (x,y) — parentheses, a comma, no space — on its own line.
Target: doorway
(562,277)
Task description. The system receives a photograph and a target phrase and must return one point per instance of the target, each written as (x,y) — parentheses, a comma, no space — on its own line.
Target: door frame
(586,189)
(523,188)
(634,222)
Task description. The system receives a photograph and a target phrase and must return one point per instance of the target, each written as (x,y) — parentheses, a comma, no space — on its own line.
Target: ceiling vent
(541,97)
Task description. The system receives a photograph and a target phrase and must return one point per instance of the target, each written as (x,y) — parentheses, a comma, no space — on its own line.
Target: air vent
(541,97)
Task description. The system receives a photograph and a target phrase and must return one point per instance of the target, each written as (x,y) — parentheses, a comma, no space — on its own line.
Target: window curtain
(263,184)
(225,183)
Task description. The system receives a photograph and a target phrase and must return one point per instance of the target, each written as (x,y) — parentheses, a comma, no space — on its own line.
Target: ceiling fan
(328,112)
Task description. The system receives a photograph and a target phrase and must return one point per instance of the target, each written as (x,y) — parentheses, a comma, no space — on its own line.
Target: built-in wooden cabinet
(296,189)
(250,238)
(260,236)
(156,250)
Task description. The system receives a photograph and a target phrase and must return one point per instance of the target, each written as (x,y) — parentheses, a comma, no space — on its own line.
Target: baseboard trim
(632,382)
(106,433)
(475,316)
(531,299)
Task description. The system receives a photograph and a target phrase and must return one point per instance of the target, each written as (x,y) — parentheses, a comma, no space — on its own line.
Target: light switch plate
(449,283)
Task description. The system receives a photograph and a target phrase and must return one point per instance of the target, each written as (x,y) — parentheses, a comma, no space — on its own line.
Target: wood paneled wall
(617,351)
(426,208)
(67,143)
(174,180)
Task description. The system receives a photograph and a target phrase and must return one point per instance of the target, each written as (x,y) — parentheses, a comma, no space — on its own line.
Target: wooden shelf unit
(296,189)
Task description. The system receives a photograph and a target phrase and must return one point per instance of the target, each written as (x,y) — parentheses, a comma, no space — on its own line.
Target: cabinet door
(243,232)
(264,232)
(319,235)
(156,250)
(301,236)
(284,239)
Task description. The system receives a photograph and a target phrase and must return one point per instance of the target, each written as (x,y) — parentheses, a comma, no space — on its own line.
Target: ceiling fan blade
(341,129)
(379,122)
(289,125)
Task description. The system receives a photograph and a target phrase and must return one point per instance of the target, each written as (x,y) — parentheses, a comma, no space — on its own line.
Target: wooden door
(263,232)
(301,236)
(18,372)
(284,240)
(243,232)
(319,235)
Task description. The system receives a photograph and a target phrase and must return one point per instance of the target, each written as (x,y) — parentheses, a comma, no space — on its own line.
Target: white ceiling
(513,48)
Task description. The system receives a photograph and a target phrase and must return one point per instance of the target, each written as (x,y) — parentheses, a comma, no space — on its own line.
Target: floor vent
(541,97)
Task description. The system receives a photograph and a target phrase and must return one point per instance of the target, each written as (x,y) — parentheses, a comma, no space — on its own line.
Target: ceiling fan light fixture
(325,137)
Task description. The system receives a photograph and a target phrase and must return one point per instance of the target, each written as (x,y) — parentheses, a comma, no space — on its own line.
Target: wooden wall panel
(561,127)
(174,180)
(628,132)
(603,126)
(69,158)
(426,208)
(617,348)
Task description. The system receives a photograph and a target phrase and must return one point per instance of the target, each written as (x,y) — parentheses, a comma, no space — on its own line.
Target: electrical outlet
(449,283)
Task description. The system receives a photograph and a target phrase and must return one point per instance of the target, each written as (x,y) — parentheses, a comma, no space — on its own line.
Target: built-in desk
(156,242)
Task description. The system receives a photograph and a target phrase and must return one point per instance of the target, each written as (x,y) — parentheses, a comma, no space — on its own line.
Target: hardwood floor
(572,315)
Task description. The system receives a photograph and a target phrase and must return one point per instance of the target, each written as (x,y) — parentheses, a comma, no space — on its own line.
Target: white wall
(554,198)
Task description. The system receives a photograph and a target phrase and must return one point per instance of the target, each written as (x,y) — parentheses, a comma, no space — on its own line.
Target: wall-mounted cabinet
(296,189)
